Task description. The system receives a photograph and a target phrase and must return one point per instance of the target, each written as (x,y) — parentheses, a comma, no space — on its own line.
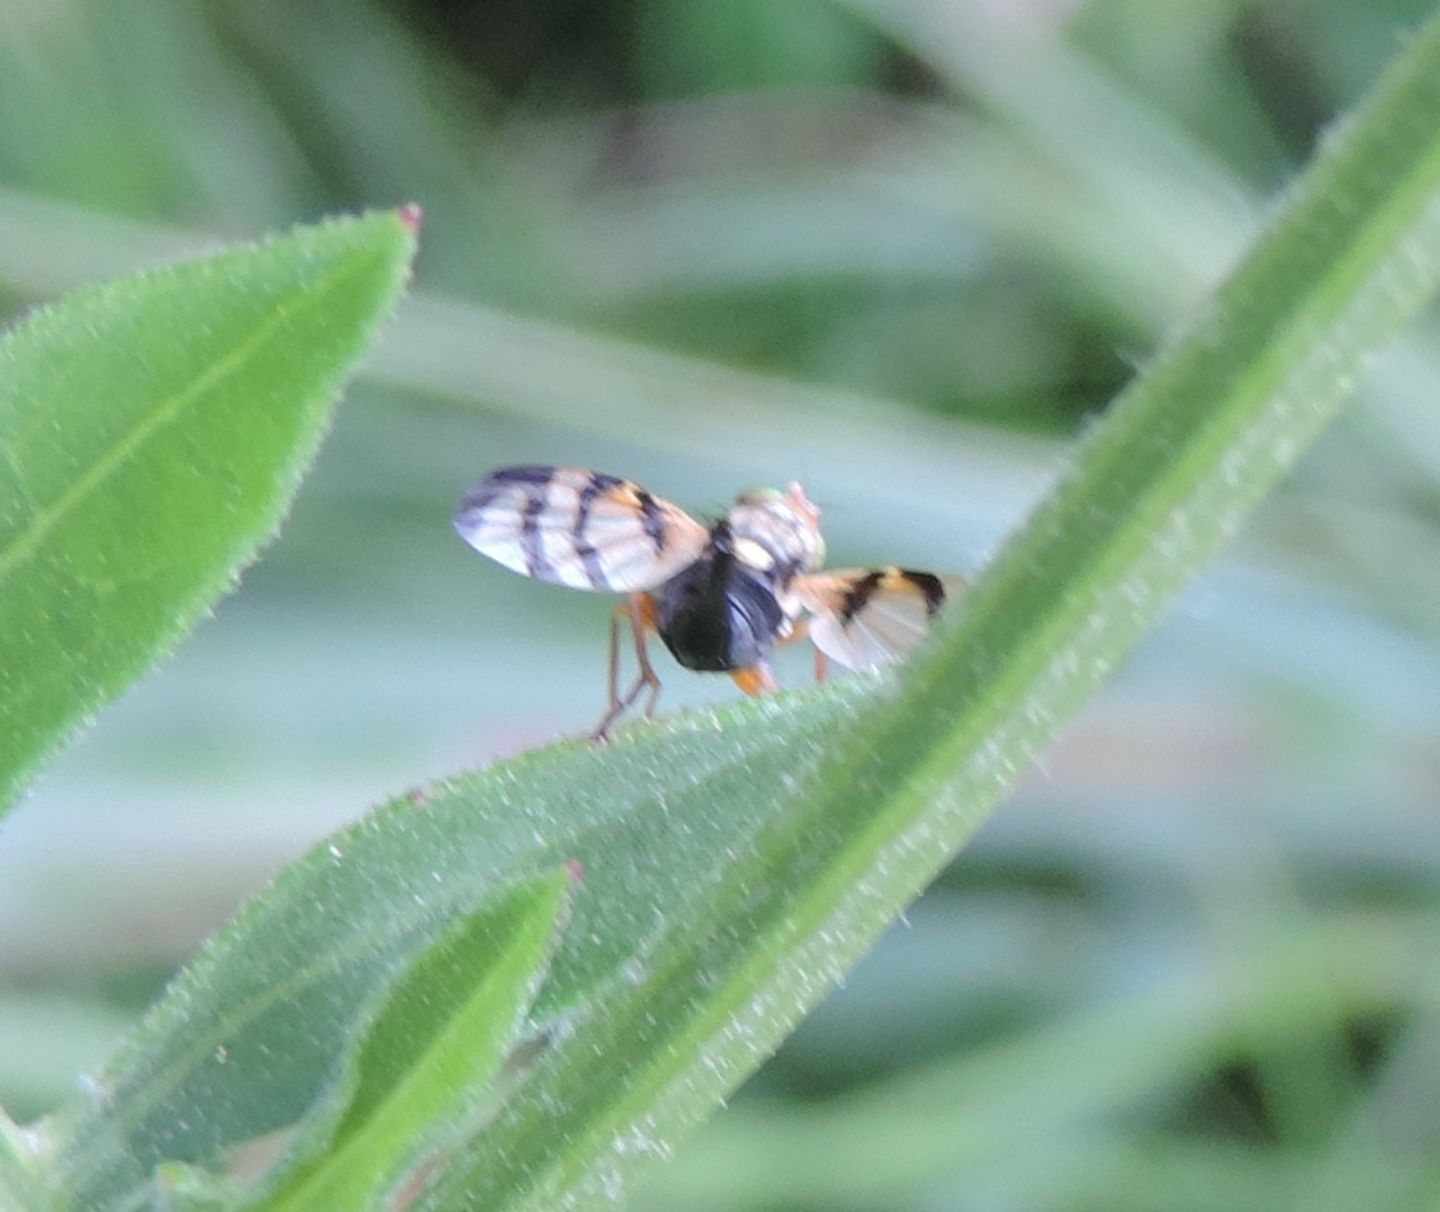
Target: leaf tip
(412,215)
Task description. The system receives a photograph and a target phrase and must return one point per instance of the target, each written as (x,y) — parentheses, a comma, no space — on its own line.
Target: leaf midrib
(25,545)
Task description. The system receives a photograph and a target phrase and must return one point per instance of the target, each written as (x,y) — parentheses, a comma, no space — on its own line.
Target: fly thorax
(774,539)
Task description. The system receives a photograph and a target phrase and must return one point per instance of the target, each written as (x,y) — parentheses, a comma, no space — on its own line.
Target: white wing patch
(578,528)
(864,618)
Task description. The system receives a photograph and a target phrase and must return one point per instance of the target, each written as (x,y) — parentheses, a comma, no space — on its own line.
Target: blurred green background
(902,250)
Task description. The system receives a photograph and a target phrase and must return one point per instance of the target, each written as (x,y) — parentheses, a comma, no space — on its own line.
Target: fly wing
(864,617)
(578,528)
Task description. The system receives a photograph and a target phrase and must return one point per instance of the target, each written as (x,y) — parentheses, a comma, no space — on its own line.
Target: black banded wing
(578,528)
(864,617)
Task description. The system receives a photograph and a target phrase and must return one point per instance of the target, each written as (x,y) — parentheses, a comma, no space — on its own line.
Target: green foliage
(737,863)
(19,1188)
(153,431)
(247,1039)
(1190,966)
(1159,486)
(426,1069)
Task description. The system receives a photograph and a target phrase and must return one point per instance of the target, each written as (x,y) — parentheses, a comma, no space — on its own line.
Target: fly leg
(801,631)
(642,619)
(640,610)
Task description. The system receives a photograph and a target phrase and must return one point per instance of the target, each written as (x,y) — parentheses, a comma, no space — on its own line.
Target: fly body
(719,614)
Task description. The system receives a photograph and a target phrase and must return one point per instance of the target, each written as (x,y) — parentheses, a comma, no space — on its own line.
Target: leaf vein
(46,519)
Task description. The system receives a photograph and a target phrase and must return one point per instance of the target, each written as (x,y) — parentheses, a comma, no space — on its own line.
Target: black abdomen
(718,616)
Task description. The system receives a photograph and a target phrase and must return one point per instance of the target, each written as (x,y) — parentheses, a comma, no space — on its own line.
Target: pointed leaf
(152,432)
(427,1064)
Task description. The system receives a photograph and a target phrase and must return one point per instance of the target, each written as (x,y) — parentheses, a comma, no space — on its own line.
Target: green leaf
(426,1068)
(152,432)
(738,862)
(182,1188)
(19,1187)
(251,1034)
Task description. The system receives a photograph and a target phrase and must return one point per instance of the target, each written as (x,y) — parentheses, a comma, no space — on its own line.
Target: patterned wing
(864,617)
(578,528)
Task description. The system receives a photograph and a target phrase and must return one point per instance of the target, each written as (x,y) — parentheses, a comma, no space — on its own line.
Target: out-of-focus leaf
(152,432)
(750,44)
(426,1068)
(19,1190)
(1036,1090)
